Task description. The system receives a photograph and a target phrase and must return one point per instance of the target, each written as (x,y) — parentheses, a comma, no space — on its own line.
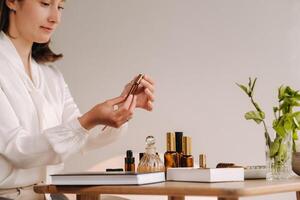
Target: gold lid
(171,146)
(187,145)
(202,161)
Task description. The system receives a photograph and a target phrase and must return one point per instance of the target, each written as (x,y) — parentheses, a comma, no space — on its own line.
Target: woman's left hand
(144,93)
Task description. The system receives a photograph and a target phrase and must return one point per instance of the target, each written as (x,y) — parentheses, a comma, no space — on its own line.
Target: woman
(40,125)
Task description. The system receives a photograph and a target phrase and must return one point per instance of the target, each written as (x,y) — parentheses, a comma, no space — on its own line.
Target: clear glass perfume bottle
(150,162)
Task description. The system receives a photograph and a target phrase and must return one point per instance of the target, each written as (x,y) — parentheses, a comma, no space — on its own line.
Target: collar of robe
(46,113)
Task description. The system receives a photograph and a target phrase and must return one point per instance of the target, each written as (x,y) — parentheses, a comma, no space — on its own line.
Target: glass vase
(279,157)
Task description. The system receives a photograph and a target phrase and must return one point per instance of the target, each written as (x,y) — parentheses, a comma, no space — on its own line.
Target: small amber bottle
(187,159)
(129,162)
(171,156)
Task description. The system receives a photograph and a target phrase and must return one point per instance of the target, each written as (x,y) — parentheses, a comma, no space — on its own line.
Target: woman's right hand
(109,113)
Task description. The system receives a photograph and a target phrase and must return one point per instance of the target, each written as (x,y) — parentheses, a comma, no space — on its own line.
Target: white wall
(195,50)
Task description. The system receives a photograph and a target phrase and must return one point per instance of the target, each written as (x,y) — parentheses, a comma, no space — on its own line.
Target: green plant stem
(255,104)
(267,136)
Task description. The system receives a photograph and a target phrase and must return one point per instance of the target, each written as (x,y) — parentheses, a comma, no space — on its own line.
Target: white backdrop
(195,50)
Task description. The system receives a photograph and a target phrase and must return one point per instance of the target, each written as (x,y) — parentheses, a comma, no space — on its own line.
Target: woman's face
(35,20)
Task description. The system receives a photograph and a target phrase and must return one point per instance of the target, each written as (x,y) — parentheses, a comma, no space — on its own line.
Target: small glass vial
(187,159)
(202,161)
(129,162)
(171,156)
(150,161)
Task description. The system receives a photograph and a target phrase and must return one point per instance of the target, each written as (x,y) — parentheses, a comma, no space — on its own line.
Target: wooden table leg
(227,198)
(176,197)
(87,197)
(298,195)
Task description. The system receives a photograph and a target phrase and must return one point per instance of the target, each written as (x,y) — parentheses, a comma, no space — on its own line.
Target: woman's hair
(41,52)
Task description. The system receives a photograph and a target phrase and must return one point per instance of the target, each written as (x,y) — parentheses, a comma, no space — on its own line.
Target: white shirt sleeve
(108,136)
(96,139)
(24,149)
(27,150)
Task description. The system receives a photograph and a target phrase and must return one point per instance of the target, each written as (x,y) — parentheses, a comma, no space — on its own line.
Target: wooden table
(178,190)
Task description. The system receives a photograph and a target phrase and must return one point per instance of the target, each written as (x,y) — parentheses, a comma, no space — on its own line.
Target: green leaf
(274,147)
(295,102)
(295,135)
(291,101)
(250,82)
(285,106)
(257,116)
(253,85)
(288,124)
(297,96)
(279,127)
(296,115)
(281,92)
(282,151)
(289,91)
(244,88)
(296,122)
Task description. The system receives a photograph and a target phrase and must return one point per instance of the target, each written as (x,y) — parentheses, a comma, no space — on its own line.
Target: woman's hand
(144,93)
(107,114)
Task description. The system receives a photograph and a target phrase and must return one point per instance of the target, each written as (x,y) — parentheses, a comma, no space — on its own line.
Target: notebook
(205,175)
(107,178)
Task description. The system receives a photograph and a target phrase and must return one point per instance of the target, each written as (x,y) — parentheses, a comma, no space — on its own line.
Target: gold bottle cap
(171,145)
(202,161)
(187,145)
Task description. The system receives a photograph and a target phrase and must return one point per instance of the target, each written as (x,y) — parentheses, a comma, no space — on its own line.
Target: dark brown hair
(41,52)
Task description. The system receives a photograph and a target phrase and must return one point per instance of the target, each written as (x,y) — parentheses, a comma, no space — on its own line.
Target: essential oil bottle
(178,140)
(171,156)
(187,159)
(129,162)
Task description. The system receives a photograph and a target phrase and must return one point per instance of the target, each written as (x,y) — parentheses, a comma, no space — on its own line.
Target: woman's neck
(23,48)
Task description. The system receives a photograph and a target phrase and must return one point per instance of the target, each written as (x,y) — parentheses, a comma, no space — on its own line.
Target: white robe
(38,121)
